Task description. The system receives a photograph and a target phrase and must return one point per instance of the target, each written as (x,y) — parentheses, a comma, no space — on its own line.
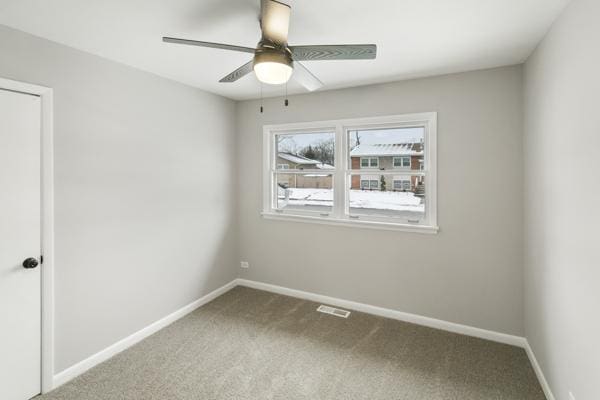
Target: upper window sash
(282,131)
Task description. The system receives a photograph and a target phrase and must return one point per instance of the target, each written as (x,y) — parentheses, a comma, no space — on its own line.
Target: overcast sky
(374,136)
(387,136)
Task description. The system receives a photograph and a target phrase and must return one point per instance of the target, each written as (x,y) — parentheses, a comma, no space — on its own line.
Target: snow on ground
(398,201)
(303,196)
(401,201)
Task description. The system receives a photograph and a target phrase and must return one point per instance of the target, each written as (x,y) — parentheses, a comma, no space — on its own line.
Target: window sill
(351,223)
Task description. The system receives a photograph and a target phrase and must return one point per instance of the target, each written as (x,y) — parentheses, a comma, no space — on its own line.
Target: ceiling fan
(274,60)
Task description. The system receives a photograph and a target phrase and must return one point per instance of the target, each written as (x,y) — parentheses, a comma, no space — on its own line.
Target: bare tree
(324,151)
(355,141)
(287,144)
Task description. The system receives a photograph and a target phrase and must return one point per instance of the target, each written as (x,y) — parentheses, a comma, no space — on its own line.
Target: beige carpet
(249,344)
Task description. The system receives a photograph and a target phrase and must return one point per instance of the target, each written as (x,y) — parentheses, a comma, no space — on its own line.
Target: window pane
(305,192)
(402,162)
(305,150)
(387,148)
(394,196)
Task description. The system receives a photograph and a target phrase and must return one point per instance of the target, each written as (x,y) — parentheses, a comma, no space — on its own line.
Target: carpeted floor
(249,344)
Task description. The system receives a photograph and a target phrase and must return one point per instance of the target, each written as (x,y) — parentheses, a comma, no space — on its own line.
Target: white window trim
(343,172)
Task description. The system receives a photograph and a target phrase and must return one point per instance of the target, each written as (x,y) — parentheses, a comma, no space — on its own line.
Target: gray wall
(469,273)
(562,173)
(145,207)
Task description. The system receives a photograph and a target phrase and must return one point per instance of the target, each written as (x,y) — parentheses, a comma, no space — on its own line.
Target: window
(369,184)
(324,184)
(402,162)
(402,184)
(309,191)
(369,162)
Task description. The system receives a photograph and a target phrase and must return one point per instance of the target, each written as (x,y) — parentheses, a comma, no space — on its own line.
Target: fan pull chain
(261,98)
(286,102)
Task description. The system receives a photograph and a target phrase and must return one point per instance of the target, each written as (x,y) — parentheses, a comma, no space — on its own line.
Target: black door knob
(30,263)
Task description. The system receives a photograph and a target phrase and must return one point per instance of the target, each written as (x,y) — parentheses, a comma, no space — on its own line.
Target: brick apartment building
(401,158)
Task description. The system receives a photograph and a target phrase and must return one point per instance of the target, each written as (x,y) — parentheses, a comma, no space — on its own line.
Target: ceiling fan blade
(238,73)
(274,20)
(334,52)
(306,78)
(208,44)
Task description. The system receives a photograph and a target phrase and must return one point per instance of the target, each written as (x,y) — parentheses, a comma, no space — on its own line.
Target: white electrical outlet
(244,264)
(571,397)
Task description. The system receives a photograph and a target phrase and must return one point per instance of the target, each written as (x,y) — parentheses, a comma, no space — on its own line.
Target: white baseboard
(538,372)
(388,313)
(82,366)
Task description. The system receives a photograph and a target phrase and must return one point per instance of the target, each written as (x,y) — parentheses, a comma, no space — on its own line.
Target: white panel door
(20,290)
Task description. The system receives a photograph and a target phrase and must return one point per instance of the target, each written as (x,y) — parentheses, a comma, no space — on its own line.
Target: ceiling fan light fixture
(272,68)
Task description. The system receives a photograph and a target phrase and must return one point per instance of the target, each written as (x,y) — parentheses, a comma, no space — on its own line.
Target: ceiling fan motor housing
(270,52)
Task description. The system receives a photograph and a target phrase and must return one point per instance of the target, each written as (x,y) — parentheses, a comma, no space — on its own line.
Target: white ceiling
(414,37)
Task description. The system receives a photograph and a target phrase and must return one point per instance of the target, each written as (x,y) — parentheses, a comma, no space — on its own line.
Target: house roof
(324,166)
(408,148)
(301,160)
(297,159)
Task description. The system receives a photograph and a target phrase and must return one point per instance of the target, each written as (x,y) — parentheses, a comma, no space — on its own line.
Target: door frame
(47,223)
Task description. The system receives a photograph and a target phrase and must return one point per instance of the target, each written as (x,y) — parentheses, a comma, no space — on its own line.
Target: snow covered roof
(297,159)
(409,148)
(324,166)
(301,160)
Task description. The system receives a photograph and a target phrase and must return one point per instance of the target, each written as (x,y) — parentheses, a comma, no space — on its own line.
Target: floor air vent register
(333,311)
